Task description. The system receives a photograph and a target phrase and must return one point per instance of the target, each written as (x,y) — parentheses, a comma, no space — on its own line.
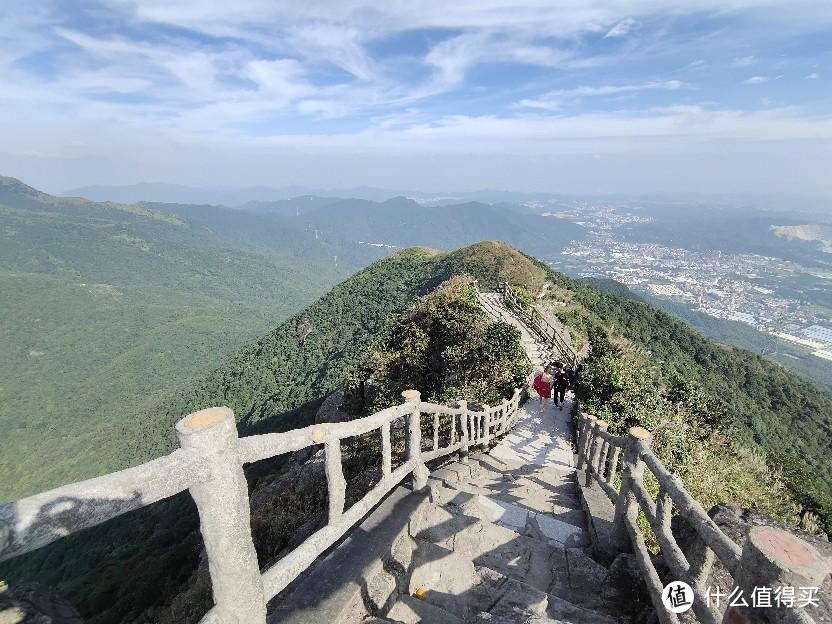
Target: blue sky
(578,96)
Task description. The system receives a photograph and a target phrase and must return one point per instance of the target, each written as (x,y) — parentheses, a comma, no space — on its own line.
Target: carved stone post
(485,426)
(638,443)
(584,437)
(413,398)
(224,516)
(336,483)
(464,428)
(773,559)
(594,454)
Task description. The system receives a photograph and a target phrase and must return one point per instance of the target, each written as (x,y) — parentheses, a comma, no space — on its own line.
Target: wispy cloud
(361,74)
(554,99)
(622,28)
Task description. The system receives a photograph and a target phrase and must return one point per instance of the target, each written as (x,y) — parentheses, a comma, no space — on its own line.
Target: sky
(572,96)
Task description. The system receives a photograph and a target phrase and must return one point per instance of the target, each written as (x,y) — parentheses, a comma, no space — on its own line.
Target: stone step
(364,575)
(410,610)
(532,505)
(521,603)
(448,579)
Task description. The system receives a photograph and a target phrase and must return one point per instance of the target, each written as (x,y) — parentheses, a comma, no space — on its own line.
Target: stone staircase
(538,353)
(501,538)
(501,541)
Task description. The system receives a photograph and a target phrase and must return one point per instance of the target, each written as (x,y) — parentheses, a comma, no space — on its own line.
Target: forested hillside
(402,222)
(272,384)
(756,400)
(106,308)
(645,368)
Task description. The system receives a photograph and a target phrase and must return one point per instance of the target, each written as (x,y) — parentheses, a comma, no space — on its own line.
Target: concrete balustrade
(209,463)
(557,346)
(38,520)
(770,558)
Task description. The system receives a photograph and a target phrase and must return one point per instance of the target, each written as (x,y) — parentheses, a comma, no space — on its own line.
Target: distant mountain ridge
(401,222)
(237,197)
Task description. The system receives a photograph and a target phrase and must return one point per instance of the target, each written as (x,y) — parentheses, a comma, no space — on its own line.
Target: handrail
(538,323)
(764,561)
(209,463)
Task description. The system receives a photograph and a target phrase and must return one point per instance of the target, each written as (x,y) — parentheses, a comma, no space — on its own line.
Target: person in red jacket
(543,386)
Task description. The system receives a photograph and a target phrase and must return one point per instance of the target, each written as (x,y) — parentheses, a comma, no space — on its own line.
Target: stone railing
(536,322)
(209,463)
(770,559)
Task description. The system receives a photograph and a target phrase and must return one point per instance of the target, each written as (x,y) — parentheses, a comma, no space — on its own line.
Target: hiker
(543,386)
(561,384)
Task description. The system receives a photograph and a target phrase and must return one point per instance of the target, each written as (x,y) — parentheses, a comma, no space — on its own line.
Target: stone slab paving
(543,437)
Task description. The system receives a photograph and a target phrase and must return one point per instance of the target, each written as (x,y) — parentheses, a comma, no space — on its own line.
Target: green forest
(108,308)
(252,345)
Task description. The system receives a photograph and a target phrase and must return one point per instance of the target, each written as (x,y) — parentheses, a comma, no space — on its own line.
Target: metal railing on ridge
(770,558)
(209,463)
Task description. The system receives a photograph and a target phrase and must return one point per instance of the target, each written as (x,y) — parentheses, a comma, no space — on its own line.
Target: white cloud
(622,28)
(554,99)
(261,75)
(283,79)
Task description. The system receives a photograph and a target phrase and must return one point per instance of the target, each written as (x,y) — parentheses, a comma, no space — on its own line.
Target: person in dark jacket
(561,385)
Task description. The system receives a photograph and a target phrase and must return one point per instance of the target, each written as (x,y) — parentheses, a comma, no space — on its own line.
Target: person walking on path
(543,386)
(561,385)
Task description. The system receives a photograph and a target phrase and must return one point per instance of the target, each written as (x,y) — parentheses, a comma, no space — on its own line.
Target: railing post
(336,483)
(602,458)
(413,398)
(464,428)
(593,463)
(386,452)
(584,438)
(638,443)
(616,451)
(772,558)
(485,426)
(224,516)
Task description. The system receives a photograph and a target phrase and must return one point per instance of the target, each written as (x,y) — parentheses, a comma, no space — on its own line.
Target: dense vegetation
(446,346)
(108,308)
(753,400)
(645,368)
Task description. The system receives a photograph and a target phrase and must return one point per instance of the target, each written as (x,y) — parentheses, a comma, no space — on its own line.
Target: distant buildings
(824,334)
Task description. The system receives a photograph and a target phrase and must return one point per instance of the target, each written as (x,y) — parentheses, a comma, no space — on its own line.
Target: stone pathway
(500,539)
